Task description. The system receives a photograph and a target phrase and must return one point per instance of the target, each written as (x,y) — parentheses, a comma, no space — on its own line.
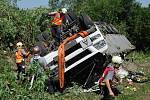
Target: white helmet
(117,59)
(19,44)
(64,10)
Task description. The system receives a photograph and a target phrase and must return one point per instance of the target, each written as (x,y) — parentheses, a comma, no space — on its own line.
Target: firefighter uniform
(20,61)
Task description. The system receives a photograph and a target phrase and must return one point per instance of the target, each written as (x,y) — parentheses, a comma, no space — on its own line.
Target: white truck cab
(77,50)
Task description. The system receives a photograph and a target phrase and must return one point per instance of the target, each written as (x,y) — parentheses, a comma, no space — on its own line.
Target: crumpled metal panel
(118,43)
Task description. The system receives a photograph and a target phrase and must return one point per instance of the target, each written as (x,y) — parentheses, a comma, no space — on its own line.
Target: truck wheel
(85,22)
(72,16)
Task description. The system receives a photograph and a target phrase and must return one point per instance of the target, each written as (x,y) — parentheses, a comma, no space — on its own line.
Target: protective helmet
(19,44)
(64,10)
(36,50)
(117,59)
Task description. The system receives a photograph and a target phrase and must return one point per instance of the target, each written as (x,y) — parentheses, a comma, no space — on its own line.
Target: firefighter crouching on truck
(56,24)
(108,75)
(20,60)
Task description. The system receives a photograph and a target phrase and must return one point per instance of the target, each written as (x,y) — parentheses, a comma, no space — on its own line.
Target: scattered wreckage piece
(117,44)
(138,77)
(106,28)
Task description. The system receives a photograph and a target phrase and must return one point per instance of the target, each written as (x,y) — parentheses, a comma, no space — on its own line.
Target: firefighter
(20,59)
(56,24)
(36,58)
(36,53)
(36,69)
(108,75)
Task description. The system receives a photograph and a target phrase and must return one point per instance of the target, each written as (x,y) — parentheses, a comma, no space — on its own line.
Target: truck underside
(87,72)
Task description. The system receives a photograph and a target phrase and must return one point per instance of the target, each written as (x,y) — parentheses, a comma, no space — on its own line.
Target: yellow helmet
(117,59)
(19,44)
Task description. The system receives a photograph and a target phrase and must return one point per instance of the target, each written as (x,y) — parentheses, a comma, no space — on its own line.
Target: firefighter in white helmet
(64,10)
(20,59)
(117,60)
(108,75)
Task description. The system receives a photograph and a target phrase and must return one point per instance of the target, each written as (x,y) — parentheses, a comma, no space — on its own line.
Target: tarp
(118,43)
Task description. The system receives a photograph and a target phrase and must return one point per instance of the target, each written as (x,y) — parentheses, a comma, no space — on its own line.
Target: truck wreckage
(80,53)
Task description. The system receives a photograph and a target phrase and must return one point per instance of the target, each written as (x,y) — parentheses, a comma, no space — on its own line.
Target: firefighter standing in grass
(20,60)
(108,75)
(57,23)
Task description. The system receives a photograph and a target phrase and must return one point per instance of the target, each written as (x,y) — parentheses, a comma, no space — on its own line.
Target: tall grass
(9,90)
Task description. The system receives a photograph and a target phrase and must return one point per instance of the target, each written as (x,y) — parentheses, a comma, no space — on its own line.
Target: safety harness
(19,56)
(57,20)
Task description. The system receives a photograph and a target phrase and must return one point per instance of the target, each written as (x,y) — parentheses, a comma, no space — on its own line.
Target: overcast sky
(37,3)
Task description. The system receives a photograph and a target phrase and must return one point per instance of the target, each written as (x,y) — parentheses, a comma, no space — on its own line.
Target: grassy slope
(9,90)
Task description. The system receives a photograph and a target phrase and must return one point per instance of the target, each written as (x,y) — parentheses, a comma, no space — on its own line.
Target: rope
(61,56)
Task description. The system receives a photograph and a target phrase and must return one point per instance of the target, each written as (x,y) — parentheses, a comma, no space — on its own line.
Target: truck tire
(72,16)
(85,22)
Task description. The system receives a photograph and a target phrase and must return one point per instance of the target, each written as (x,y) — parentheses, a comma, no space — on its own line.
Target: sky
(144,2)
(44,3)
(32,3)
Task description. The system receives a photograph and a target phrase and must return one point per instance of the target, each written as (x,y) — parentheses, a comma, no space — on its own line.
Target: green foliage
(40,76)
(19,25)
(57,4)
(34,68)
(104,10)
(127,15)
(24,25)
(139,28)
(9,90)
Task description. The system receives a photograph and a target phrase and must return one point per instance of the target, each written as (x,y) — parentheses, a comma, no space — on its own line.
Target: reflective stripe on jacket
(19,56)
(57,20)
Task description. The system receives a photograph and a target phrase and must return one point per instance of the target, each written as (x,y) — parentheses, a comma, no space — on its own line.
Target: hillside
(10,90)
(128,16)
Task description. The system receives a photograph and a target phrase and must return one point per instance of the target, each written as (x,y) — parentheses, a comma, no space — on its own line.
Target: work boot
(108,98)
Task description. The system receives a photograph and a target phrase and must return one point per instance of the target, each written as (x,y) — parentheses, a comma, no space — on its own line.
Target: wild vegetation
(128,16)
(10,90)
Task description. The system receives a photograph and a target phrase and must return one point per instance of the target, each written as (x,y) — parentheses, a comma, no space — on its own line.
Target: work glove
(100,80)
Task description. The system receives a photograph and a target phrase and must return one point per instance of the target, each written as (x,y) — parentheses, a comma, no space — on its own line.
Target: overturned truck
(80,56)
